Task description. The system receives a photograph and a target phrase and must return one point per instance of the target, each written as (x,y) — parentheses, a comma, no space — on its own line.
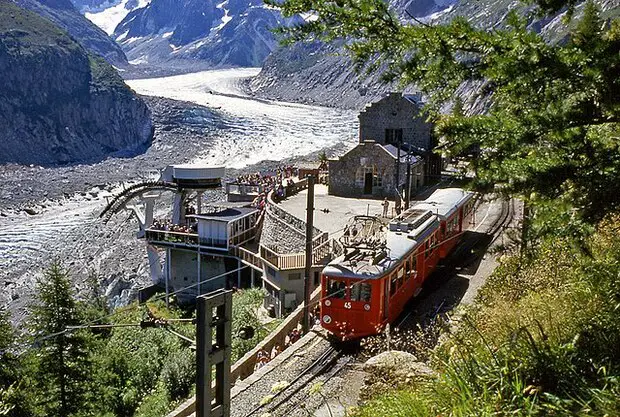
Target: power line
(93,322)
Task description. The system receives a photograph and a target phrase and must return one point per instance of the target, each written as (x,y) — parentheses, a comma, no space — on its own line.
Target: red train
(383,266)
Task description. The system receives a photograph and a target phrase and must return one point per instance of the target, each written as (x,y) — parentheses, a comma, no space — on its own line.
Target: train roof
(402,236)
(444,202)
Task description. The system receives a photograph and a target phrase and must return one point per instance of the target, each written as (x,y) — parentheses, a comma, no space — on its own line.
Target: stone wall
(283,232)
(395,112)
(346,181)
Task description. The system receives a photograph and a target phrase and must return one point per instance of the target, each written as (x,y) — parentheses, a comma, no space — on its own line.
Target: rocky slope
(58,103)
(208,32)
(66,16)
(323,74)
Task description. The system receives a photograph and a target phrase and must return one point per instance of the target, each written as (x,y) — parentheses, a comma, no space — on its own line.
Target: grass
(543,339)
(24,32)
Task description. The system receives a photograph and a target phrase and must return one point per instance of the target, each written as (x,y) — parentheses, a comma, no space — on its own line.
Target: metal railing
(321,250)
(172,237)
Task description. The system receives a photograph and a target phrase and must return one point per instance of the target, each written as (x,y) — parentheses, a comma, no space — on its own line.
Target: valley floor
(53,212)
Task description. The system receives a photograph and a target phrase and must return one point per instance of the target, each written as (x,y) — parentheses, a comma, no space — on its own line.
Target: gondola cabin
(384,265)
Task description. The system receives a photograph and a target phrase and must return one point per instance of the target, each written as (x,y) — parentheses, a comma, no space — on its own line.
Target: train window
(393,284)
(360,292)
(337,289)
(411,264)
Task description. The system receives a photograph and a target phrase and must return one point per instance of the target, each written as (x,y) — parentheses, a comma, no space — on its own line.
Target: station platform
(332,213)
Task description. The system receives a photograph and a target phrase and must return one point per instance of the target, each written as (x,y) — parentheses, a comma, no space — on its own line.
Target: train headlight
(367,307)
(327,319)
(327,303)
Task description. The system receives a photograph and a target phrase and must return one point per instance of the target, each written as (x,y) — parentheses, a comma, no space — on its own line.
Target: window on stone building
(393,136)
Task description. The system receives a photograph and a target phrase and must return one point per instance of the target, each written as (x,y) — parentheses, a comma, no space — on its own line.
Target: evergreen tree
(13,400)
(61,361)
(551,131)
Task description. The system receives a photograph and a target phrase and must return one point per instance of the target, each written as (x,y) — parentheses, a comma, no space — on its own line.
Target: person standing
(386,206)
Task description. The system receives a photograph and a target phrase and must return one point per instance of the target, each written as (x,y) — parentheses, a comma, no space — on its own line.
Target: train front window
(360,292)
(336,289)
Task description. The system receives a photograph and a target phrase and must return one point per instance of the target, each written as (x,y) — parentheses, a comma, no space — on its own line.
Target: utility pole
(307,272)
(396,185)
(213,349)
(408,182)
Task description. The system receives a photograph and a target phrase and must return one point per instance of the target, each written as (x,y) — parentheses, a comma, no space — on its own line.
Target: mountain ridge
(60,104)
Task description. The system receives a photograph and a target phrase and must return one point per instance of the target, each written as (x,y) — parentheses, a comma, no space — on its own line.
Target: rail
(244,367)
(248,256)
(134,190)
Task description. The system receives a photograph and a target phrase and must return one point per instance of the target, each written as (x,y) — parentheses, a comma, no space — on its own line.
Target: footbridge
(120,201)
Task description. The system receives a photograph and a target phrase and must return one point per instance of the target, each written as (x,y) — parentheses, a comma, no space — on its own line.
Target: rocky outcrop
(58,103)
(323,74)
(66,16)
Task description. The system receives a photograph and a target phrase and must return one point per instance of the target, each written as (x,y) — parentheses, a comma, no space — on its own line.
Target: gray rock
(59,104)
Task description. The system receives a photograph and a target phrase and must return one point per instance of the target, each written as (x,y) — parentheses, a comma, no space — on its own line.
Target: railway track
(326,362)
(296,395)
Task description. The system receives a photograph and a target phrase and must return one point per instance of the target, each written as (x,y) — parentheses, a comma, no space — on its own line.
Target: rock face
(58,103)
(212,32)
(323,74)
(66,16)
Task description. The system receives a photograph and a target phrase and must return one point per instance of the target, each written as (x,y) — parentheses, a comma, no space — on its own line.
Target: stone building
(394,120)
(369,170)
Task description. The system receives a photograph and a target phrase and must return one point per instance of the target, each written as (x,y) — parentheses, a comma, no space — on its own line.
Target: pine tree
(550,132)
(13,400)
(61,362)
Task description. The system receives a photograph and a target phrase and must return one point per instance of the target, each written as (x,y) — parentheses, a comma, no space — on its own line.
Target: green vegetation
(23,32)
(104,76)
(544,335)
(123,371)
(543,339)
(550,132)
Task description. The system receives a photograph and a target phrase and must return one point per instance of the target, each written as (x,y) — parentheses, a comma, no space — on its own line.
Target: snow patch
(309,16)
(167,35)
(434,16)
(109,18)
(142,60)
(131,40)
(122,36)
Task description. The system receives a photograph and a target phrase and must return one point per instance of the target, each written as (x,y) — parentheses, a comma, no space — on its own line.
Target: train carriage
(385,265)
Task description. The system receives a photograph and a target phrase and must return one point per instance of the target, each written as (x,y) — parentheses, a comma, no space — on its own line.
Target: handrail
(321,249)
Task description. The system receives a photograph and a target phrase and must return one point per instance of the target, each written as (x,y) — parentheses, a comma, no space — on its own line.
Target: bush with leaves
(179,374)
(542,339)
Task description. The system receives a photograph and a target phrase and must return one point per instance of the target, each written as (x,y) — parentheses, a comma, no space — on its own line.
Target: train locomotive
(385,265)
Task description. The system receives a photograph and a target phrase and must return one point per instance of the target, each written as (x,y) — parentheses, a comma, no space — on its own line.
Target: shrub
(542,339)
(179,374)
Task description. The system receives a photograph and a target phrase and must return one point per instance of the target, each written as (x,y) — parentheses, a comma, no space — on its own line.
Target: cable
(132,307)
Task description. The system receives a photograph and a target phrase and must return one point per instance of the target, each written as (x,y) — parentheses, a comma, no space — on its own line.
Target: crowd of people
(281,177)
(168,226)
